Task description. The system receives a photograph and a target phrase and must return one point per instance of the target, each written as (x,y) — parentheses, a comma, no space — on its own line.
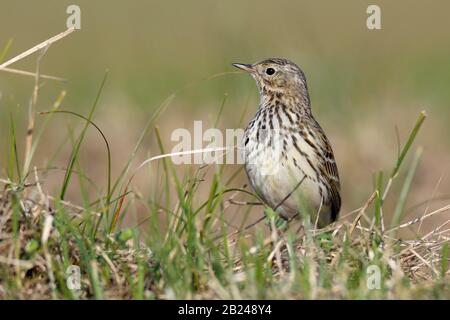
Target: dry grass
(327,263)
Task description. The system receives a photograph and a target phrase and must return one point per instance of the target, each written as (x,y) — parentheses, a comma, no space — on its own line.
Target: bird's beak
(245,67)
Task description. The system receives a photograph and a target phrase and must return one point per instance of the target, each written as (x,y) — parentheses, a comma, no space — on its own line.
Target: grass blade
(5,50)
(13,154)
(76,150)
(408,144)
(405,189)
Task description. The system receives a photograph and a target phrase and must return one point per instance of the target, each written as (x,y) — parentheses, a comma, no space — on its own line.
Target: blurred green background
(363,83)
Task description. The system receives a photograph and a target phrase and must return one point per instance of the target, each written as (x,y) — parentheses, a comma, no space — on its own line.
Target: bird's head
(277,75)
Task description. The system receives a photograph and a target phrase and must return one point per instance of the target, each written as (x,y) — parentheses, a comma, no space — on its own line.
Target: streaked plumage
(288,158)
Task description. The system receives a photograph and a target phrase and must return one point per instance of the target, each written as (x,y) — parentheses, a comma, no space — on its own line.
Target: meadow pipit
(288,158)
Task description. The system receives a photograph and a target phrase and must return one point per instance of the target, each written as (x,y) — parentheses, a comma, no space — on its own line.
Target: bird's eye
(270,71)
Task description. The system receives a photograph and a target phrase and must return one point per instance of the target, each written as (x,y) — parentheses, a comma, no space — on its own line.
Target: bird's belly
(283,185)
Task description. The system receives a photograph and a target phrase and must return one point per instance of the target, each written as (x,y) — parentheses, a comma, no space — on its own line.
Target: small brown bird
(288,158)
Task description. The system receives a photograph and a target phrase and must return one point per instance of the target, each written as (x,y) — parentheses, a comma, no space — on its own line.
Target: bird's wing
(328,168)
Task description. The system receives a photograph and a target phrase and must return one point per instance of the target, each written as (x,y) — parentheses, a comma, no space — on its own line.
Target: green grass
(193,254)
(188,248)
